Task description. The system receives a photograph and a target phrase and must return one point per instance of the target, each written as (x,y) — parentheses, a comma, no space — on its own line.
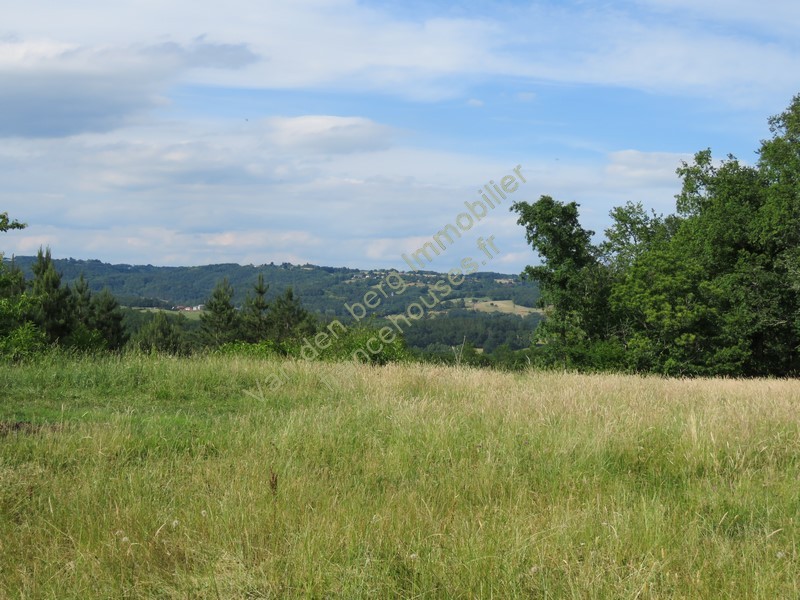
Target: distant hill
(324,290)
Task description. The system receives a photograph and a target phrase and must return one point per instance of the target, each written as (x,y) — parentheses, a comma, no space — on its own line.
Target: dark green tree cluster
(488,331)
(284,326)
(162,335)
(278,321)
(711,290)
(42,312)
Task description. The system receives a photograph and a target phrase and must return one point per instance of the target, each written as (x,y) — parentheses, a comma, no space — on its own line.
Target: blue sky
(346,133)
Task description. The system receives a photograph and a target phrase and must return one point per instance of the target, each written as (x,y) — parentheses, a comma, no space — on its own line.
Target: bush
(19,338)
(22,342)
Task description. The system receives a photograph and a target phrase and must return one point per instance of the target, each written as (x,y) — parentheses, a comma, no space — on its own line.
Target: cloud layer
(367,125)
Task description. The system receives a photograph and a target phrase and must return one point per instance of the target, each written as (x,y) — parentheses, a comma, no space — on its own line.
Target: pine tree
(52,310)
(106,318)
(288,319)
(82,301)
(160,335)
(255,317)
(220,322)
(12,279)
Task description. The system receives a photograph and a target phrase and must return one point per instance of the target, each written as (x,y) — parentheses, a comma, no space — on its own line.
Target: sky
(345,133)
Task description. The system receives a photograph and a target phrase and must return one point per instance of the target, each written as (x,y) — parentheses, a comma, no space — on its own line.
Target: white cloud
(262,239)
(81,77)
(340,44)
(53,89)
(650,168)
(324,134)
(201,193)
(98,172)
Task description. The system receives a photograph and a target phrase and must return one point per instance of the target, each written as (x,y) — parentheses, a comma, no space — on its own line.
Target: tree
(12,281)
(6,224)
(52,306)
(82,301)
(631,235)
(255,317)
(106,318)
(160,335)
(220,321)
(712,290)
(83,335)
(779,163)
(572,281)
(19,337)
(288,319)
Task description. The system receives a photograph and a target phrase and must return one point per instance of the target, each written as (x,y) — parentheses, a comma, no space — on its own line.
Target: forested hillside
(323,290)
(276,308)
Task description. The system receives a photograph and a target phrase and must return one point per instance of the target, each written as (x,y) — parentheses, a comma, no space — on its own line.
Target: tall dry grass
(141,477)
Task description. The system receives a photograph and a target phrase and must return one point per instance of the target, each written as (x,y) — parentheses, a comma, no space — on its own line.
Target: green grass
(143,477)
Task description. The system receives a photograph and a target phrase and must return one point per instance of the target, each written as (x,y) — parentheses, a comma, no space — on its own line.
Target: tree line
(324,290)
(43,312)
(276,323)
(710,290)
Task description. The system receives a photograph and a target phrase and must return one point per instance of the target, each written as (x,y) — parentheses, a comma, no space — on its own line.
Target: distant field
(193,315)
(221,477)
(502,306)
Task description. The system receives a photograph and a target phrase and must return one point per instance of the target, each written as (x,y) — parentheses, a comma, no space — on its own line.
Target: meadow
(144,476)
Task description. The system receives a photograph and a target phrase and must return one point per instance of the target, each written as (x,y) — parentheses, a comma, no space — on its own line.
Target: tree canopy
(710,290)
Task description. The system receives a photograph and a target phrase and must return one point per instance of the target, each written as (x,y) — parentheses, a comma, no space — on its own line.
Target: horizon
(9,259)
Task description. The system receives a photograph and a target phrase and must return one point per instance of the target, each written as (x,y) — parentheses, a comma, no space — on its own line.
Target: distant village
(197,308)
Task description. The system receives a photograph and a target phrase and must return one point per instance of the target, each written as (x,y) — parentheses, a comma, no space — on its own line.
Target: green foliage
(255,314)
(220,320)
(12,280)
(52,313)
(572,280)
(488,331)
(159,335)
(631,235)
(19,338)
(106,318)
(287,319)
(364,343)
(82,302)
(6,224)
(52,306)
(712,290)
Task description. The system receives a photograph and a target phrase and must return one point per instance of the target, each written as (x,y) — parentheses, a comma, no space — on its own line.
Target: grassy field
(192,315)
(223,477)
(501,306)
